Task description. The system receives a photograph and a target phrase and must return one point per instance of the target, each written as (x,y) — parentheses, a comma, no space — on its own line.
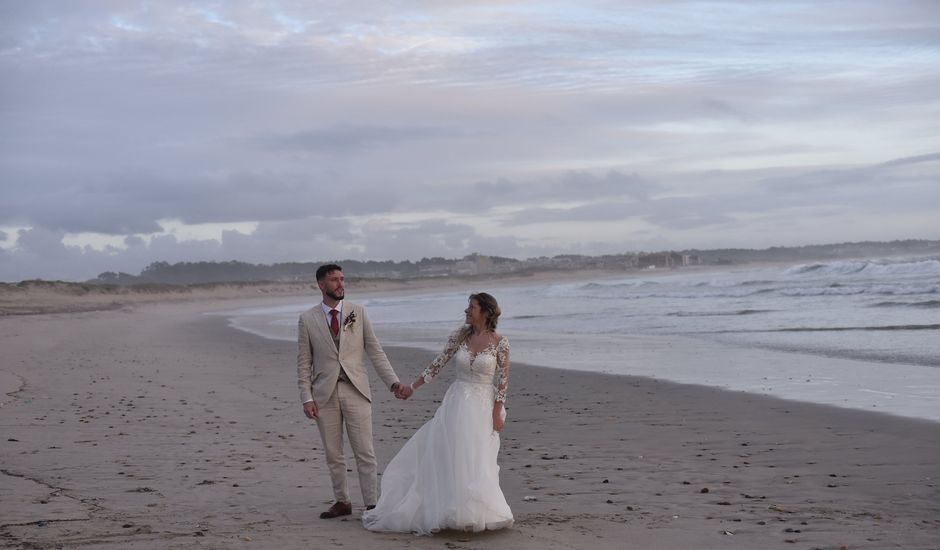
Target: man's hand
(404,392)
(399,390)
(310,409)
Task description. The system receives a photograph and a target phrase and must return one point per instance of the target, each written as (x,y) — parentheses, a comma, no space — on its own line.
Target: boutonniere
(350,321)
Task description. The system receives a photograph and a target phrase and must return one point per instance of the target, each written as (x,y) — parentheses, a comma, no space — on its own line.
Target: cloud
(902,192)
(868,185)
(350,139)
(568,186)
(931,157)
(492,127)
(133,203)
(124,203)
(671,213)
(901,185)
(39,253)
(388,241)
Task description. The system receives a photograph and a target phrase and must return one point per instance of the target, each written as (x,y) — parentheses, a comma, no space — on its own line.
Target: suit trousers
(347,406)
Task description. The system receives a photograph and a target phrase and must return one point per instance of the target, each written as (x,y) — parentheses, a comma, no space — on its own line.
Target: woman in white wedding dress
(446,476)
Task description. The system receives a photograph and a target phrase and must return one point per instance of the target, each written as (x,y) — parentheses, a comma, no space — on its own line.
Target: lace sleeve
(453,342)
(502,369)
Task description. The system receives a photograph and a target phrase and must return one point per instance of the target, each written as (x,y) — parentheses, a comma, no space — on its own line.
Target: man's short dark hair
(325,270)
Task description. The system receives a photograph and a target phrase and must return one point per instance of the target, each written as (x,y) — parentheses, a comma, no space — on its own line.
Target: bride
(445,476)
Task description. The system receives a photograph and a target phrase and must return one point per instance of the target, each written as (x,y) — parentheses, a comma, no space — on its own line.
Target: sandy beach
(156,426)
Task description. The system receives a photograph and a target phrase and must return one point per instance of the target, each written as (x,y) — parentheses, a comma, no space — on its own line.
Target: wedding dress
(446,476)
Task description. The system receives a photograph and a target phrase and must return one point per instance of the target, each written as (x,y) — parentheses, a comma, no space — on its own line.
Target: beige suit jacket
(318,360)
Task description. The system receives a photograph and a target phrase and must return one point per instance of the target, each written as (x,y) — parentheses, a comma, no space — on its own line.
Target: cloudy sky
(135,132)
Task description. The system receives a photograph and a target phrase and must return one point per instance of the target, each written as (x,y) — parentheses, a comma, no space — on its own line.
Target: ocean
(858,333)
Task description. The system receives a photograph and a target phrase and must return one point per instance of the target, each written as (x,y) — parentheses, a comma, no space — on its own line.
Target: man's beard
(336,295)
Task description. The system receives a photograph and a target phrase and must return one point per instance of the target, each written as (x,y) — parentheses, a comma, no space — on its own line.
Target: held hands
(403,392)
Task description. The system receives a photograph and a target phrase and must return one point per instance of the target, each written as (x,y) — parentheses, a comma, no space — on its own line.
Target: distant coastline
(39,297)
(189,273)
(189,281)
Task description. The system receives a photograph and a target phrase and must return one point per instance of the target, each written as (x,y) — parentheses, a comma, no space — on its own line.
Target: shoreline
(32,297)
(161,427)
(899,389)
(46,297)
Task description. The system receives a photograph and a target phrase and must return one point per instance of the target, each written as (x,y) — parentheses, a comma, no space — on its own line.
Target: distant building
(475,264)
(661,259)
(466,267)
(435,270)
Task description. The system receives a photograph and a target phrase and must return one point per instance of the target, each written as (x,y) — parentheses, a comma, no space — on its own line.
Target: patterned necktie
(334,322)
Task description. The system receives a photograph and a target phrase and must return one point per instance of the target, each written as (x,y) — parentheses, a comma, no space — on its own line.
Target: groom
(333,339)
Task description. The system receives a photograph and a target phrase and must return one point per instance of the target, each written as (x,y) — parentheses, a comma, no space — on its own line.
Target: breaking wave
(868,268)
(926,304)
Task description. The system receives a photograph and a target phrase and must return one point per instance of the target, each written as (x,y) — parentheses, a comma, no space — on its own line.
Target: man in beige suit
(334,338)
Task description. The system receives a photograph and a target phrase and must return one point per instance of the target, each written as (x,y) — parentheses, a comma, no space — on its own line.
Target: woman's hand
(404,392)
(497,419)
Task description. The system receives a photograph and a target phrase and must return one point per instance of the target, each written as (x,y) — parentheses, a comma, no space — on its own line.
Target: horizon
(794,261)
(622,253)
(271,133)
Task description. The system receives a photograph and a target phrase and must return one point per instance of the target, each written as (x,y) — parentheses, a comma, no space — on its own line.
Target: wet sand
(159,427)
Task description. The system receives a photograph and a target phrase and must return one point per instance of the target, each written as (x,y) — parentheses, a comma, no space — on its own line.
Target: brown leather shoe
(338,509)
